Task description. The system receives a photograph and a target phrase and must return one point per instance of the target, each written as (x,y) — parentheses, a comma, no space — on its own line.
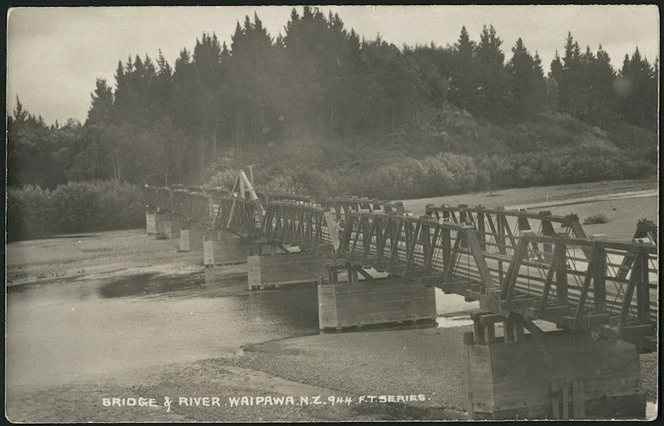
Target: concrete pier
(151,222)
(172,227)
(160,219)
(192,235)
(224,248)
(554,375)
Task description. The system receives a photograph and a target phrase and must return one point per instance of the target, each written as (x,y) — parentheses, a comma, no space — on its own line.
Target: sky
(55,55)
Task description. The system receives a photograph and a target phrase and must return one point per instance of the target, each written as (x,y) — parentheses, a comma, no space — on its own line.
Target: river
(66,331)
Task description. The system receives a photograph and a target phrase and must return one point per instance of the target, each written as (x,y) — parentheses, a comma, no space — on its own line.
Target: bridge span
(562,315)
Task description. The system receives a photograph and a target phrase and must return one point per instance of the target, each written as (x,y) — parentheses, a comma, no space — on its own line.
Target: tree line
(160,124)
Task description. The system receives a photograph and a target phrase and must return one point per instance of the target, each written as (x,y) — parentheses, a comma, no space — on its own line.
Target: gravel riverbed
(428,362)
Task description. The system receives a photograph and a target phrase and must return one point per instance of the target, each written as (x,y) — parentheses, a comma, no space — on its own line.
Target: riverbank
(428,364)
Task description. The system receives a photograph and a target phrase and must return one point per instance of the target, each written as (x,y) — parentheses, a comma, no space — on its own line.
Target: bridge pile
(374,263)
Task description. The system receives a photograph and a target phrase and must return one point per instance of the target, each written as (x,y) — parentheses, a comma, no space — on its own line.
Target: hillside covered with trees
(318,109)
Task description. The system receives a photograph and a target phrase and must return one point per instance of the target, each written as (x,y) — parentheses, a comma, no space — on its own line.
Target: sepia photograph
(345,213)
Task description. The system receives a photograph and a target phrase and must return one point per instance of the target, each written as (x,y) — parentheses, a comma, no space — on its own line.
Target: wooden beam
(561,277)
(599,281)
(394,243)
(643,291)
(508,286)
(364,273)
(449,266)
(534,329)
(592,263)
(634,281)
(480,261)
(428,258)
(558,256)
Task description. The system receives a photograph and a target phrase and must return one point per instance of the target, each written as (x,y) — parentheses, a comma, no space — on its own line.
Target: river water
(65,331)
(72,330)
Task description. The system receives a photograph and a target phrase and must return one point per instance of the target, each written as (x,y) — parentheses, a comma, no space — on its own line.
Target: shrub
(33,212)
(595,219)
(29,213)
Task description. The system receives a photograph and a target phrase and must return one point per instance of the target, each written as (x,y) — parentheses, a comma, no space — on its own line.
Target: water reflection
(149,283)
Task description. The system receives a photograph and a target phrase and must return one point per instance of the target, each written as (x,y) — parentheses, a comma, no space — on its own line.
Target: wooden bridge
(544,287)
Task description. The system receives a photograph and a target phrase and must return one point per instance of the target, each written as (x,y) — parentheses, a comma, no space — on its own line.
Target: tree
(493,82)
(638,92)
(526,80)
(464,73)
(102,103)
(601,99)
(251,61)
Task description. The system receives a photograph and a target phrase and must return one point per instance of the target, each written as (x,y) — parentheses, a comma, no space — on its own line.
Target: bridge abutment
(355,303)
(559,374)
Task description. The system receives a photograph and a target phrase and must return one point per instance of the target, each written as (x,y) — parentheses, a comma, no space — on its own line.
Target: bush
(595,219)
(33,212)
(29,213)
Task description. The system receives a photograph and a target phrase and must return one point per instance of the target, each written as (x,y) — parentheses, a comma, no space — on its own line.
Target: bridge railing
(501,223)
(157,197)
(612,292)
(398,244)
(238,215)
(600,286)
(298,224)
(193,206)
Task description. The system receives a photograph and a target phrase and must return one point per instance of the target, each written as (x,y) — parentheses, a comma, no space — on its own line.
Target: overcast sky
(55,54)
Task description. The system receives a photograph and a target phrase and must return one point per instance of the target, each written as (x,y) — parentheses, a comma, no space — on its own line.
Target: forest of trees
(162,124)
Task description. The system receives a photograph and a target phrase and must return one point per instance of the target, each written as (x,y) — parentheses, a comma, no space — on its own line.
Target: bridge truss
(535,266)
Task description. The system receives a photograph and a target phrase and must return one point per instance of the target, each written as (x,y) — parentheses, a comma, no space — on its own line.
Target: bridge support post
(151,221)
(192,235)
(160,219)
(222,247)
(274,270)
(559,374)
(172,226)
(357,302)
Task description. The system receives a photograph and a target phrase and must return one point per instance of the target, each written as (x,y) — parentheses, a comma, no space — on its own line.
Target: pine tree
(601,97)
(464,72)
(638,98)
(102,104)
(493,83)
(20,115)
(526,80)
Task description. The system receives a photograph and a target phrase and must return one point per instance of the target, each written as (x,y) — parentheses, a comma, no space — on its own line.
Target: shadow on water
(292,309)
(150,283)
